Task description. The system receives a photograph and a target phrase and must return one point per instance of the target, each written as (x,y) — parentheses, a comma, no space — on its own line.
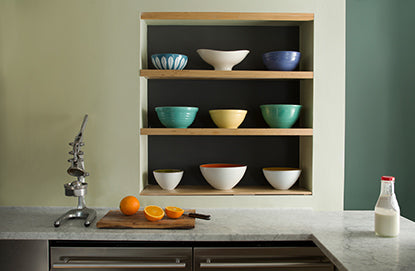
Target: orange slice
(174,212)
(153,213)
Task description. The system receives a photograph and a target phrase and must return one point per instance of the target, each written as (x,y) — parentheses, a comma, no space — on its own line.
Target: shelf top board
(228,132)
(204,190)
(234,16)
(225,75)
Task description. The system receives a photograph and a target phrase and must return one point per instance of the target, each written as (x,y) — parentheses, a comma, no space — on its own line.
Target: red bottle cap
(388,178)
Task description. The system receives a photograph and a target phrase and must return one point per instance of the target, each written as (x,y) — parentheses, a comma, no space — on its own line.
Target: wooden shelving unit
(225,75)
(203,190)
(228,132)
(304,22)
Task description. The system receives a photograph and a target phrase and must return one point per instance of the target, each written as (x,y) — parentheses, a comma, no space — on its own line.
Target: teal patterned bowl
(169,61)
(280,115)
(176,116)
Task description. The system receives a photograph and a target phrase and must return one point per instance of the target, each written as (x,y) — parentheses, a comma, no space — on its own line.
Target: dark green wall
(380,101)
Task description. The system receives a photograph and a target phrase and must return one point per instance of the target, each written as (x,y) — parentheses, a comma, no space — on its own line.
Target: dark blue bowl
(281,60)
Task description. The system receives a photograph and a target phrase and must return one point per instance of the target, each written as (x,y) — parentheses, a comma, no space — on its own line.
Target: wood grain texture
(198,190)
(114,219)
(230,132)
(224,75)
(237,16)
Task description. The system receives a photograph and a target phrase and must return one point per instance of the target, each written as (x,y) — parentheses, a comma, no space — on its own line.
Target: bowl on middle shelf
(176,116)
(280,115)
(223,176)
(282,178)
(222,60)
(228,118)
(281,60)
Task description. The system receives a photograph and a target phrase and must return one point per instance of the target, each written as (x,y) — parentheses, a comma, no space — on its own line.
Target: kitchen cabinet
(261,258)
(24,255)
(118,256)
(105,255)
(246,87)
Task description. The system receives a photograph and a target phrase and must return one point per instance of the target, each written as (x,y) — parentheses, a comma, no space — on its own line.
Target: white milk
(386,222)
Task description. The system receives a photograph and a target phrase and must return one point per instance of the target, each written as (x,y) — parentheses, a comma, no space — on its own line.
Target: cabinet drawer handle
(120,265)
(261,264)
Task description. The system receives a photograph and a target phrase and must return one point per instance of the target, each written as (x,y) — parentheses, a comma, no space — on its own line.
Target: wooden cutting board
(114,219)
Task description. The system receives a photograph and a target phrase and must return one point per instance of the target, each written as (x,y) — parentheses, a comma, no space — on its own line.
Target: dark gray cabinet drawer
(261,258)
(120,258)
(24,255)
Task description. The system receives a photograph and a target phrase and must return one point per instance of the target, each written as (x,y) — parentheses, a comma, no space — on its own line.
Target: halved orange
(153,213)
(174,212)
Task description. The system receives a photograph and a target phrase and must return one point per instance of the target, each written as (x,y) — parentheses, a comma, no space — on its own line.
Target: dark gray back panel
(188,152)
(206,95)
(187,39)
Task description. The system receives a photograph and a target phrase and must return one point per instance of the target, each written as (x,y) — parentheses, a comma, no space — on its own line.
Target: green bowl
(280,115)
(176,116)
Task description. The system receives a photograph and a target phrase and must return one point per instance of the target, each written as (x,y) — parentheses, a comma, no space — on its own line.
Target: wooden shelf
(235,16)
(204,190)
(229,132)
(225,75)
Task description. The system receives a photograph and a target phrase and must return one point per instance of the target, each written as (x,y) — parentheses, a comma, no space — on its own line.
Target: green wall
(380,92)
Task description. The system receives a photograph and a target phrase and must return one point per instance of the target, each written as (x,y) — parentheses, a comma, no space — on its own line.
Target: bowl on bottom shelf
(176,116)
(228,118)
(168,179)
(223,176)
(282,178)
(280,115)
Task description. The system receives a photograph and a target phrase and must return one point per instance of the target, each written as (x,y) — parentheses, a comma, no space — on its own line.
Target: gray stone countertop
(346,237)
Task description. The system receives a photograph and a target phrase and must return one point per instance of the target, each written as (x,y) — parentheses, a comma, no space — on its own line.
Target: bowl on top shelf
(280,115)
(281,60)
(222,60)
(223,176)
(228,118)
(169,61)
(176,116)
(168,179)
(282,178)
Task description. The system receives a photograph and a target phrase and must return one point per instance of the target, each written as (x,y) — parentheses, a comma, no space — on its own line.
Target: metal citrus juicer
(78,188)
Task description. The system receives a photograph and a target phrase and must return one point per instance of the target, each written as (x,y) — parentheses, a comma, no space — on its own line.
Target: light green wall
(62,59)
(380,92)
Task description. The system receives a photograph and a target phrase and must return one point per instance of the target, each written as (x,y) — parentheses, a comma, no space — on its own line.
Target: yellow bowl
(228,118)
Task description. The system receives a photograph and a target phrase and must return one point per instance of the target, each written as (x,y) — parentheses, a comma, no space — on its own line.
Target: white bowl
(281,177)
(168,179)
(223,176)
(222,60)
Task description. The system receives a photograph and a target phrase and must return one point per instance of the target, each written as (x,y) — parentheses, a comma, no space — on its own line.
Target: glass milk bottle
(387,212)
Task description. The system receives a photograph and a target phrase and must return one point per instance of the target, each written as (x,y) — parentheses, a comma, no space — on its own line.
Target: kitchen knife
(197,215)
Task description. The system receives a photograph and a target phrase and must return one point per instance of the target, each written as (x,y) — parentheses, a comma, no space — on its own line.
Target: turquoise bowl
(280,115)
(176,116)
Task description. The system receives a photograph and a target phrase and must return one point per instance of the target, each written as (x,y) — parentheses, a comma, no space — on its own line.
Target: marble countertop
(346,237)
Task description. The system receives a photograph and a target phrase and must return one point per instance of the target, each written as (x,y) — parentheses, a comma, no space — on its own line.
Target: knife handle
(201,216)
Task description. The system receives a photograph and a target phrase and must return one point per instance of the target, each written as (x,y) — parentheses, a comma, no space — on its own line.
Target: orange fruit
(153,213)
(129,205)
(174,212)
